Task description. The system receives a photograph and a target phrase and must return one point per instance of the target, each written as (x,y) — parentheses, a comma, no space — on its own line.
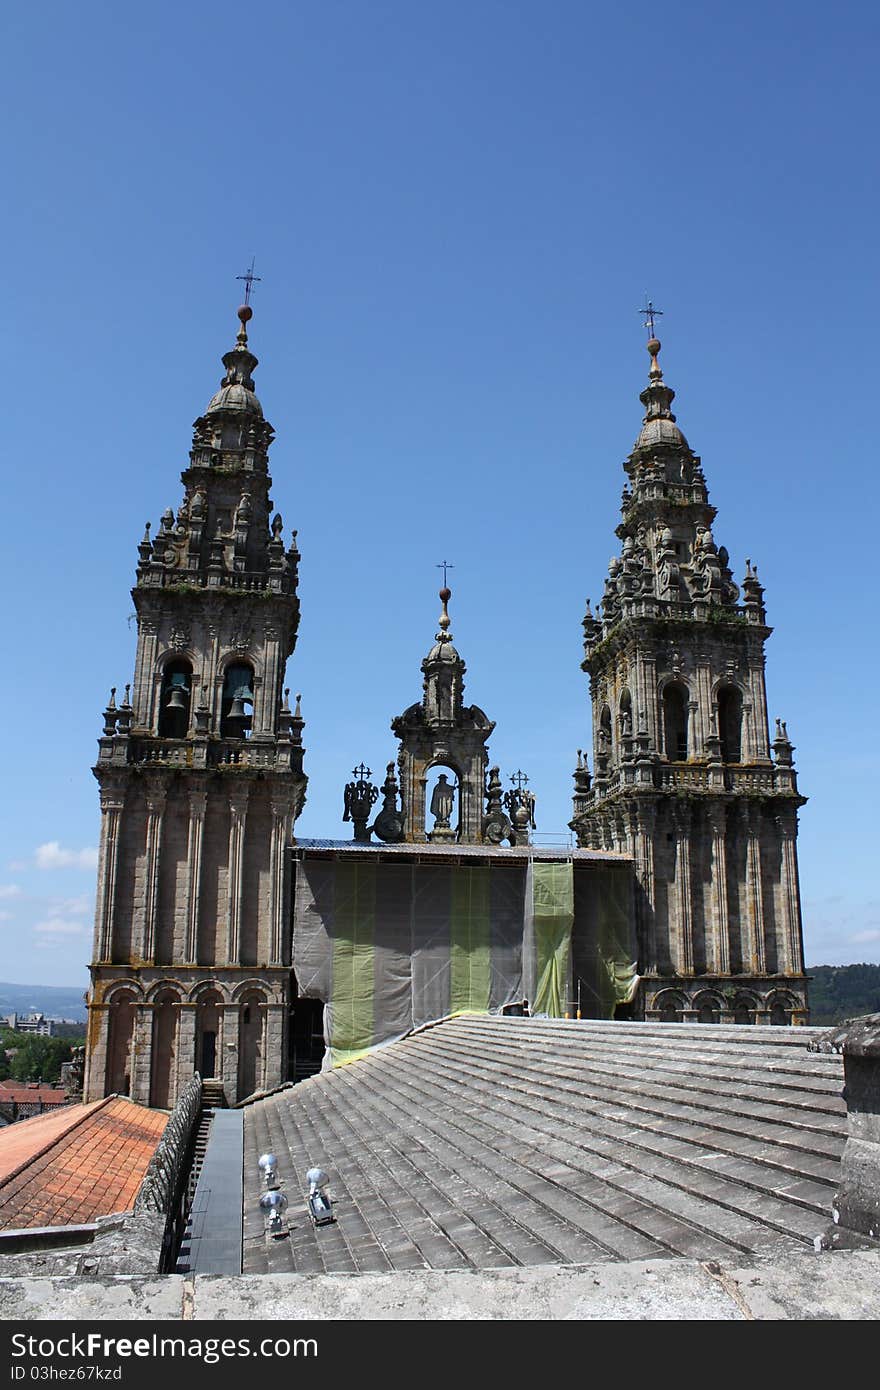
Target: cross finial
(362,772)
(444,565)
(519,779)
(650,314)
(250,279)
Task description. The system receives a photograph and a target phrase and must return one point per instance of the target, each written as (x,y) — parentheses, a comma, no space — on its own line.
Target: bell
(237,712)
(176,698)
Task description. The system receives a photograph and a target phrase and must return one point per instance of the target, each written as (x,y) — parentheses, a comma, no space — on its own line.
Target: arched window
(708,1008)
(624,713)
(668,1008)
(174,700)
(675,723)
(121,1031)
(604,731)
(250,1043)
(163,1068)
(207,1033)
(730,706)
(743,1012)
(443,802)
(236,714)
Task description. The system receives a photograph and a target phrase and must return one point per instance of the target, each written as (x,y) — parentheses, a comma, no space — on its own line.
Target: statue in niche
(442,802)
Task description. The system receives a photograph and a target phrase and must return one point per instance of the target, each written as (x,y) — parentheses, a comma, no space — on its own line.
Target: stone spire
(442,732)
(201,775)
(224,535)
(683,778)
(443,671)
(669,564)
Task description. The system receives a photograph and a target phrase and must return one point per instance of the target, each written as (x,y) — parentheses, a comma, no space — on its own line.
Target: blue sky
(456,211)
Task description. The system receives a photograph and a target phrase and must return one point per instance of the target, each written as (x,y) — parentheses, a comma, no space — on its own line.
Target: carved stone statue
(442,802)
(360,797)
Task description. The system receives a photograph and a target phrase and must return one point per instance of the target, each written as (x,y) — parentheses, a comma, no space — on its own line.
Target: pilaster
(154,797)
(238,802)
(198,801)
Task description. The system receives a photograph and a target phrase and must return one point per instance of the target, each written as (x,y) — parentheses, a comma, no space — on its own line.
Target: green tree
(39,1058)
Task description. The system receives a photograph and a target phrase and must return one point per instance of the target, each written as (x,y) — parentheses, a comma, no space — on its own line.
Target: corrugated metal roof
(517,853)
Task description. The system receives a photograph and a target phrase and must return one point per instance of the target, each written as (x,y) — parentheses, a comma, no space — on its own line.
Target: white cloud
(5,916)
(61,926)
(864,938)
(9,890)
(53,856)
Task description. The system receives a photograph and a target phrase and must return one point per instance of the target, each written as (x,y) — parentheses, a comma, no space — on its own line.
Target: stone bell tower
(684,778)
(201,780)
(442,732)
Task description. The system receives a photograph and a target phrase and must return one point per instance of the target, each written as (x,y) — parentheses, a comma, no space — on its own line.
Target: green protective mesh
(353,992)
(470,968)
(553,915)
(617,977)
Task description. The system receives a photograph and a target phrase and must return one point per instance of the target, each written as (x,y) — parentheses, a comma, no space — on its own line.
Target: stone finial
(857,1202)
(388,825)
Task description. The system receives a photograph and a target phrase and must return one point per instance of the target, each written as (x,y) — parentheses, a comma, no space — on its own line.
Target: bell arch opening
(730,712)
(175,698)
(675,723)
(237,708)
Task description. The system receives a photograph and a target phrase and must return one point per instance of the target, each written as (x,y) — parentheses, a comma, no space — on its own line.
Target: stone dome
(660,430)
(235,397)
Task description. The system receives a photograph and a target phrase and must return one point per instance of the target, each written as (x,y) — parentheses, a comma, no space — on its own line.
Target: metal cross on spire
(362,772)
(650,314)
(519,779)
(250,279)
(444,565)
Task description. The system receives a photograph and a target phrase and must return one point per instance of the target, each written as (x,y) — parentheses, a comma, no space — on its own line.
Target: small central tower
(443,733)
(200,771)
(684,778)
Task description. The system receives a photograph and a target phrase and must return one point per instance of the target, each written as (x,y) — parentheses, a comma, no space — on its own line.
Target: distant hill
(843,991)
(55,1001)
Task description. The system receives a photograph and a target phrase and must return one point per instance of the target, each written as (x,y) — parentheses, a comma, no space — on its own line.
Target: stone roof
(71,1166)
(502,1142)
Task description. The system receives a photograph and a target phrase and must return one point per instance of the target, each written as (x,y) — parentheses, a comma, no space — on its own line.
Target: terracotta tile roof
(24,1092)
(72,1166)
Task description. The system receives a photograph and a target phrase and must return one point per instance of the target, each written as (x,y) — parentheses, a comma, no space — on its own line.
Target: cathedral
(225,945)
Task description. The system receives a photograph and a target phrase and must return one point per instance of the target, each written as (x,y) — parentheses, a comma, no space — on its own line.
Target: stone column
(144,672)
(238,800)
(112,803)
(646,820)
(198,799)
(719,962)
(694,738)
(142,1053)
(791,935)
(650,699)
(274,1061)
(94,1081)
(277,878)
(227,1061)
(754,888)
(186,1045)
(703,719)
(684,943)
(155,797)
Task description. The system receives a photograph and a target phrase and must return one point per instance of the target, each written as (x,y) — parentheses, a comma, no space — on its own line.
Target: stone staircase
(213,1098)
(490,1142)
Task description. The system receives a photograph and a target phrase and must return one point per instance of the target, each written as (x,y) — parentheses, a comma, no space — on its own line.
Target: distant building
(34,1023)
